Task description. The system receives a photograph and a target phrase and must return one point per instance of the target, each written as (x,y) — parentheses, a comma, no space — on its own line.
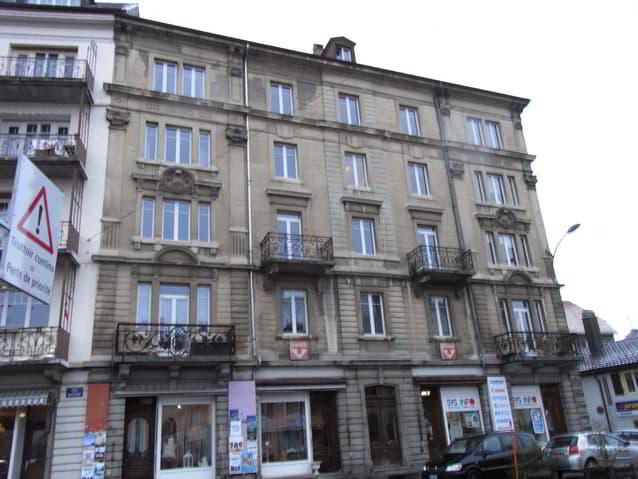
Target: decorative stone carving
(444,101)
(118,119)
(503,219)
(177,181)
(236,61)
(515,111)
(530,179)
(519,278)
(176,255)
(122,50)
(236,134)
(457,168)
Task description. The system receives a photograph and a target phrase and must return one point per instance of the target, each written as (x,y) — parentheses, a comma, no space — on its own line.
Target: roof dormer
(338,48)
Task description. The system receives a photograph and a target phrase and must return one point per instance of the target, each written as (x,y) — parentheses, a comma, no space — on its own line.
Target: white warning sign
(30,252)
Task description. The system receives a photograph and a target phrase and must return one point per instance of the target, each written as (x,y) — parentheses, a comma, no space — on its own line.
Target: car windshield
(464,445)
(564,441)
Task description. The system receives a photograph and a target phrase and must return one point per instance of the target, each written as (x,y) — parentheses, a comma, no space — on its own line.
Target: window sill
(361,189)
(445,339)
(286,181)
(498,205)
(159,243)
(365,337)
(188,166)
(293,337)
(504,267)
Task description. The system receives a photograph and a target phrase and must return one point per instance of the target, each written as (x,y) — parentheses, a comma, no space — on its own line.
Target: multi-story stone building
(365,245)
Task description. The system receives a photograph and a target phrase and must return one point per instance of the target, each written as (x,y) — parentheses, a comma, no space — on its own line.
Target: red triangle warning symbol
(35,224)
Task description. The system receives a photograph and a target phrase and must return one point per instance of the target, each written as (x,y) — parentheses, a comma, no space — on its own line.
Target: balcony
(439,265)
(303,254)
(174,342)
(540,347)
(53,154)
(44,80)
(33,345)
(69,238)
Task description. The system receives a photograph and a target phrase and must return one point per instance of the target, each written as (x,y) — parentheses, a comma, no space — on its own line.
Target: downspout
(604,398)
(457,222)
(251,273)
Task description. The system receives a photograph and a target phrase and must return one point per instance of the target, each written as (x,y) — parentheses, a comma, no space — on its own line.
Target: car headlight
(454,468)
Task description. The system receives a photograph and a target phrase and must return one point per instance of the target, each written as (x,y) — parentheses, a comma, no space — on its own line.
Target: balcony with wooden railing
(290,253)
(436,264)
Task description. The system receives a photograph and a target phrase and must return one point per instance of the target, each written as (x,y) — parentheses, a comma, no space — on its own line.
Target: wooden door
(385,443)
(553,409)
(434,426)
(139,438)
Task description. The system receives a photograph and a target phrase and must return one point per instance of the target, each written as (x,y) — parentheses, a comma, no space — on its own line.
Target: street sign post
(30,250)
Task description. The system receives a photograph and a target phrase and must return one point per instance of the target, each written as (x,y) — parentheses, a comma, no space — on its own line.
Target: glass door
(289,229)
(523,324)
(173,309)
(427,238)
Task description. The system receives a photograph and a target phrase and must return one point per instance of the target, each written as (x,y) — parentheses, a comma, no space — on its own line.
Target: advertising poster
(538,425)
(242,436)
(500,406)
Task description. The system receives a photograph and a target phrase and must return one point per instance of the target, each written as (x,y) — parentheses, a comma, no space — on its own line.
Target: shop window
(7,425)
(385,445)
(462,408)
(35,443)
(284,432)
(325,434)
(186,431)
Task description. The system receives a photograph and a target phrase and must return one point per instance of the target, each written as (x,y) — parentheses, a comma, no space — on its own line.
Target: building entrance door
(434,428)
(139,438)
(553,409)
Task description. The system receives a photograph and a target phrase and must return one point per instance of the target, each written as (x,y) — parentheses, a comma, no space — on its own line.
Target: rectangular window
(513,190)
(525,249)
(419,182)
(178,145)
(372,314)
(17,310)
(505,314)
(203,158)
(509,253)
(281,98)
(203,305)
(285,161)
(173,305)
(629,382)
(491,248)
(184,435)
(478,184)
(521,316)
(193,81)
(617,384)
(144,303)
(150,142)
(165,77)
(496,189)
(475,131)
(148,218)
(284,431)
(440,316)
(349,109)
(363,236)
(356,170)
(409,120)
(176,220)
(344,54)
(203,222)
(540,315)
(294,311)
(493,134)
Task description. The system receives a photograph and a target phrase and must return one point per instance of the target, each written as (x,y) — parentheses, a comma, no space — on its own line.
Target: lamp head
(573,228)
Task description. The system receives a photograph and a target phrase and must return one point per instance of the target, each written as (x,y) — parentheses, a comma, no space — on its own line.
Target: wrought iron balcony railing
(296,248)
(42,147)
(173,341)
(46,68)
(536,346)
(436,258)
(33,344)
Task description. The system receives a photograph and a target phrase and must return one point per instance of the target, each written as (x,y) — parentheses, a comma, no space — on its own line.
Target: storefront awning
(23,398)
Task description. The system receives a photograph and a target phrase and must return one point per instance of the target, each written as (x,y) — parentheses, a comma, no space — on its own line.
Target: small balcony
(33,345)
(303,254)
(174,342)
(541,347)
(54,154)
(44,79)
(69,238)
(440,265)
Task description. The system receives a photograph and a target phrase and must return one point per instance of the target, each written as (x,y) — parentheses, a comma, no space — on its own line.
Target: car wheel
(589,463)
(473,474)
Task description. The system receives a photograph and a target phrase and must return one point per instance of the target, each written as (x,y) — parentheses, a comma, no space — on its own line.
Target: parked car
(484,456)
(630,435)
(578,451)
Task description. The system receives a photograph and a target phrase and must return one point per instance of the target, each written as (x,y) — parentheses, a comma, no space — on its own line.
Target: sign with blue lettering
(75,392)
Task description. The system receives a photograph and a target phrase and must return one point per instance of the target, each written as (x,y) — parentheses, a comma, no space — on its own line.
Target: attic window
(344,54)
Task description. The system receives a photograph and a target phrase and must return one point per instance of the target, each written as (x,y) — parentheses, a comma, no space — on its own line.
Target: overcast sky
(576,60)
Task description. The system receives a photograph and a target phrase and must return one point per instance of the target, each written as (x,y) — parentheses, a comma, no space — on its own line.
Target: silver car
(580,450)
(630,435)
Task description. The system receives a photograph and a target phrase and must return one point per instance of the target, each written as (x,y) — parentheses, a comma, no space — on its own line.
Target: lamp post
(570,230)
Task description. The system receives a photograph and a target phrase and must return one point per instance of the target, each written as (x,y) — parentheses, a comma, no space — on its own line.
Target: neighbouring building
(364,245)
(609,374)
(574,316)
(53,63)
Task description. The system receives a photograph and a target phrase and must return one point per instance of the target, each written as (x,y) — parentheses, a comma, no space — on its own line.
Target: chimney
(592,333)
(317,49)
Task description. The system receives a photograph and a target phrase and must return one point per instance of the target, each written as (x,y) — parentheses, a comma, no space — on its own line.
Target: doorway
(139,438)
(553,403)
(434,426)
(383,428)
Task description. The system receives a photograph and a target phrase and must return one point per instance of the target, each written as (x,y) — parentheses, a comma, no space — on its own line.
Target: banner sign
(500,406)
(30,251)
(627,408)
(242,419)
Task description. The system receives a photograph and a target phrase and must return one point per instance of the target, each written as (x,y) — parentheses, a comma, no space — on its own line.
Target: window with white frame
(409,120)
(203,222)
(489,136)
(363,241)
(281,98)
(513,191)
(18,310)
(173,303)
(165,77)
(479,185)
(491,248)
(178,145)
(625,382)
(285,158)
(419,182)
(527,257)
(204,153)
(504,248)
(294,311)
(493,135)
(496,189)
(507,245)
(151,135)
(440,316)
(176,224)
(147,227)
(344,54)
(144,294)
(371,308)
(194,81)
(521,316)
(356,169)
(475,131)
(539,309)
(203,306)
(349,109)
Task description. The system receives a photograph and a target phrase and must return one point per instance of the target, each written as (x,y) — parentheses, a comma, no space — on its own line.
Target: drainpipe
(603,397)
(251,273)
(457,221)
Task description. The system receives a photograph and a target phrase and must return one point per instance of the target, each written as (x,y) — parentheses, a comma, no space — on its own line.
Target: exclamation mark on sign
(37,228)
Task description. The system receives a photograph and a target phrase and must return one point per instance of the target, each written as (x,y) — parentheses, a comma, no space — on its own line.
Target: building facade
(366,246)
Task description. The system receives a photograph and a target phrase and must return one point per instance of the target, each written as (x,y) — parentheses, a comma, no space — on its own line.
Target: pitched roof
(614,354)
(574,315)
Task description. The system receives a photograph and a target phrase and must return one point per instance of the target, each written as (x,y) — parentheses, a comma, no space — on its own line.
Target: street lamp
(571,229)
